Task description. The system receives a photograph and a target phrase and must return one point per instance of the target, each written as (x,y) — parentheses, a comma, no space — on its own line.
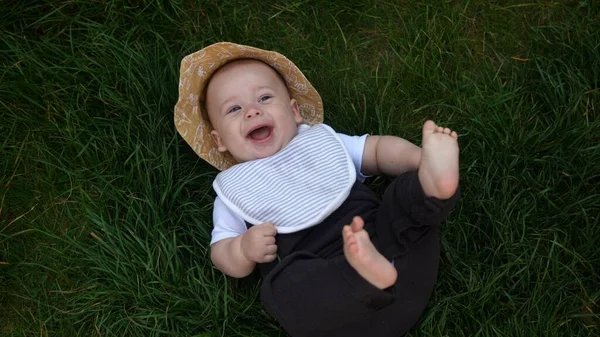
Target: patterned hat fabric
(197,69)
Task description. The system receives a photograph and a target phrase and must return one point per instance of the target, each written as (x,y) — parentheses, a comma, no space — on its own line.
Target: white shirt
(227,224)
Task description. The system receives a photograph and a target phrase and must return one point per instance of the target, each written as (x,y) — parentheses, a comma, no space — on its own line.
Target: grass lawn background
(105,212)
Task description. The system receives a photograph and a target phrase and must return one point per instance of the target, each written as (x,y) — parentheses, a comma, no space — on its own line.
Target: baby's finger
(269,240)
(269,258)
(269,229)
(271,249)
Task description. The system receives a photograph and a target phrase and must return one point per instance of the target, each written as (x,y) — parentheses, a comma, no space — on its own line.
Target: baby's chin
(254,157)
(261,154)
(266,154)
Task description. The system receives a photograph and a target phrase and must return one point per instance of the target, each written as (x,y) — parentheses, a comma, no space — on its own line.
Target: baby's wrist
(243,254)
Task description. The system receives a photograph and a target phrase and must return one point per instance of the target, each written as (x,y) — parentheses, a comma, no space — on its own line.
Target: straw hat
(196,71)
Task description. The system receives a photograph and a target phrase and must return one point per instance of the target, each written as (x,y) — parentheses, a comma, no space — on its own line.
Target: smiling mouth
(261,133)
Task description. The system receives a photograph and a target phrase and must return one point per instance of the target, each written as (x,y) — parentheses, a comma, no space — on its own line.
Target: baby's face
(250,110)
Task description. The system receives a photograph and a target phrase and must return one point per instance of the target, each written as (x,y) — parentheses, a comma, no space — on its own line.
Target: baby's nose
(252,113)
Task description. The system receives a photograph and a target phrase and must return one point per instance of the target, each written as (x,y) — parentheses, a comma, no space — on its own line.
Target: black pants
(313,291)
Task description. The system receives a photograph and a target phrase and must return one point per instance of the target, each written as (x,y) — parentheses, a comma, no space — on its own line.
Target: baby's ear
(296,111)
(220,145)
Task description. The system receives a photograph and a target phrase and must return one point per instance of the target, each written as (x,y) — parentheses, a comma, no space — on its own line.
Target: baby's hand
(258,243)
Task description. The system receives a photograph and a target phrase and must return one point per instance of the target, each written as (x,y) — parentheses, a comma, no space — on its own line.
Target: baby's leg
(416,201)
(316,297)
(364,257)
(438,170)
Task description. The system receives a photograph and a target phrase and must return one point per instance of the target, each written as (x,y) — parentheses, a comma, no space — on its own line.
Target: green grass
(105,212)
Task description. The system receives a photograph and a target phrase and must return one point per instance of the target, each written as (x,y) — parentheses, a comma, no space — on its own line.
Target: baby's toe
(346,232)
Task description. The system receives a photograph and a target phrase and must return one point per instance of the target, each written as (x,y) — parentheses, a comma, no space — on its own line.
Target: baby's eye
(233,109)
(264,98)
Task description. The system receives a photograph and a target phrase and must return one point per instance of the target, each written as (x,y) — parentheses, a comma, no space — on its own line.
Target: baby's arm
(227,256)
(389,155)
(238,256)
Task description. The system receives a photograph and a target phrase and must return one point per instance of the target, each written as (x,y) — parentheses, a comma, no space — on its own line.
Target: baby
(335,260)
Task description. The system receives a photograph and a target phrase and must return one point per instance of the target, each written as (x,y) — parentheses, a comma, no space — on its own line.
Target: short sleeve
(226,223)
(355,145)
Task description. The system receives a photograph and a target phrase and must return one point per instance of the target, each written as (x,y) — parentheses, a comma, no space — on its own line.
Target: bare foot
(364,257)
(438,170)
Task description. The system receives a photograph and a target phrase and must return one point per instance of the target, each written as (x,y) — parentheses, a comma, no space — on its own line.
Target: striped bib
(296,188)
